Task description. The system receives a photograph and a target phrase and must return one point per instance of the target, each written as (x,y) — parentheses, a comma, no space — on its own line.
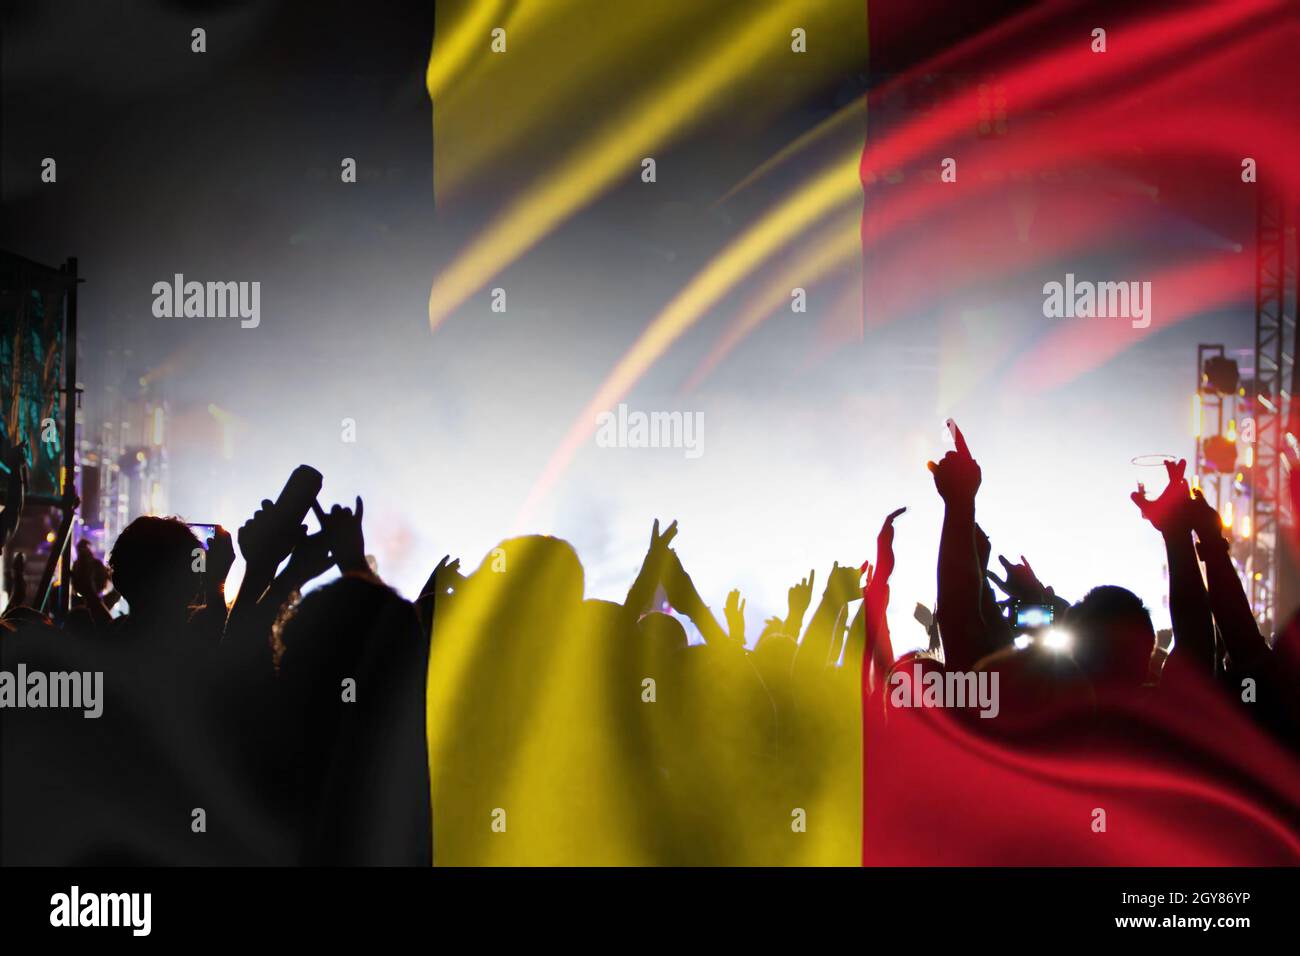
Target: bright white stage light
(1057,640)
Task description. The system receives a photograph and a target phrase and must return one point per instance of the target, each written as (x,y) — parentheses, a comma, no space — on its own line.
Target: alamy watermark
(71,690)
(208,300)
(955,689)
(625,429)
(1102,300)
(76,909)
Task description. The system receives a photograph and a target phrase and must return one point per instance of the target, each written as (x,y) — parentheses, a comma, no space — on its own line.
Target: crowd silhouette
(501,717)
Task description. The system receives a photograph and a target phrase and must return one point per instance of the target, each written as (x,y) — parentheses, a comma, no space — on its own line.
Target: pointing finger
(958,439)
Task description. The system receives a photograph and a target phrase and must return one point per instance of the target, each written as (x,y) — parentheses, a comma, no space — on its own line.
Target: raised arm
(1021,586)
(657,561)
(960,578)
(1228,601)
(1189,604)
(996,627)
(347,543)
(89,578)
(875,642)
(814,651)
(444,581)
(264,545)
(797,600)
(734,611)
(209,621)
(685,598)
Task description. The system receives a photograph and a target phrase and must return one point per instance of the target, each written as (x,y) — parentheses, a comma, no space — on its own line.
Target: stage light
(1221,374)
(1196,415)
(227,423)
(1220,453)
(1226,514)
(1057,640)
(1022,641)
(1245,526)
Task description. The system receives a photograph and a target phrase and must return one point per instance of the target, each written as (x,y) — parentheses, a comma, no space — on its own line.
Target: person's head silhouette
(1112,637)
(153,565)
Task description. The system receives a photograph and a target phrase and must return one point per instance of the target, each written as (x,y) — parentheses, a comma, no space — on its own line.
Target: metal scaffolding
(1274,388)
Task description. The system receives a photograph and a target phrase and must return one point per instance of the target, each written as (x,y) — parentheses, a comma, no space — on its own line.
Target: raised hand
(264,541)
(220,557)
(957,476)
(1229,605)
(655,567)
(797,600)
(869,570)
(1204,520)
(309,560)
(885,547)
(443,580)
(1170,513)
(89,574)
(820,641)
(734,610)
(684,597)
(446,577)
(659,542)
(842,583)
(1020,583)
(961,588)
(678,584)
(342,526)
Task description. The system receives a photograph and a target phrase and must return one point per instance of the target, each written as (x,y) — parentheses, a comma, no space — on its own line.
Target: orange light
(1226,515)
